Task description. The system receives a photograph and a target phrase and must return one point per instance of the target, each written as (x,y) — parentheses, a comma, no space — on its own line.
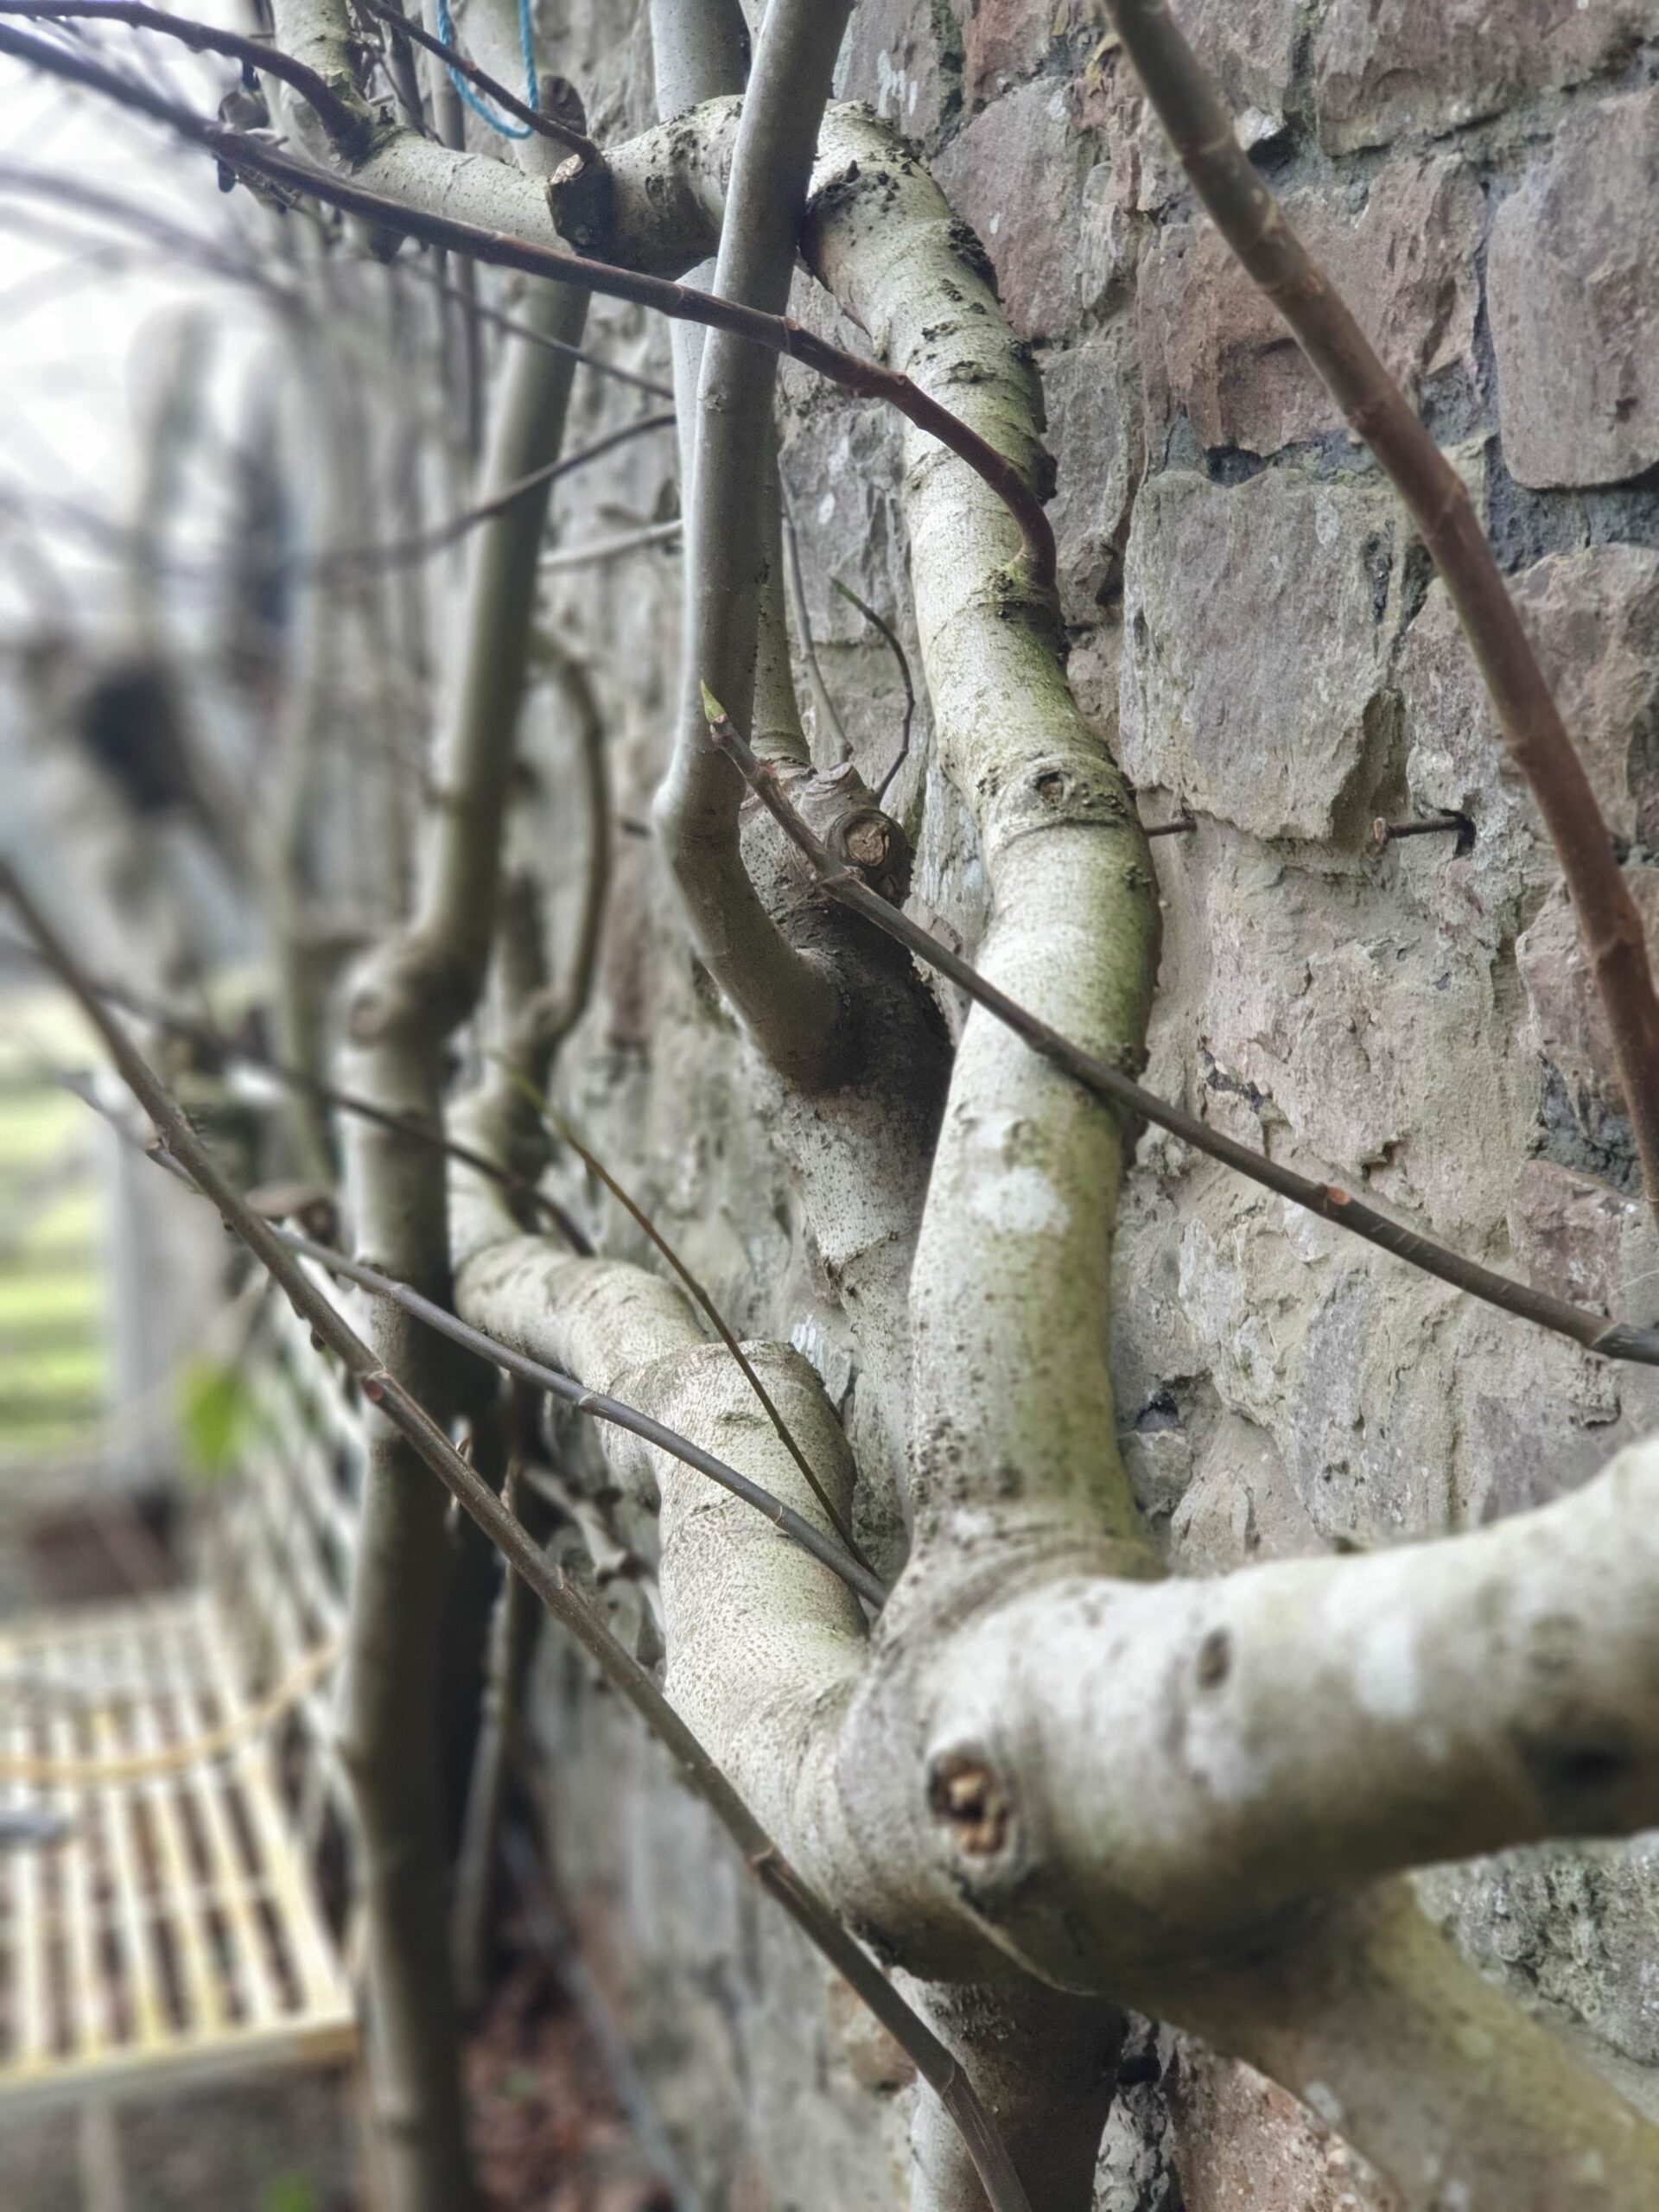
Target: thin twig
(395,553)
(561,1129)
(891,636)
(562,134)
(807,642)
(1250,219)
(598,1405)
(590,552)
(682,302)
(345,125)
(562,1598)
(514,326)
(853,1569)
(217,1044)
(1611,1339)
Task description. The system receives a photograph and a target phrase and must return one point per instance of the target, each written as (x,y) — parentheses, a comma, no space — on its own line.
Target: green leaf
(290,2193)
(215,1412)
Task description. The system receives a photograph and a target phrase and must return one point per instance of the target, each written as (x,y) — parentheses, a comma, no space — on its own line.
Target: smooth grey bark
(1006,1828)
(409,998)
(912,1771)
(401,1013)
(788,998)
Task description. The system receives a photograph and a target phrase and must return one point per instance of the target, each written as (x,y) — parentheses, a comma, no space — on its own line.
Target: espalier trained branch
(1047,1782)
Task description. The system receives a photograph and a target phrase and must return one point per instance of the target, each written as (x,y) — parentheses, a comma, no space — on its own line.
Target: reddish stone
(1249,44)
(1382,67)
(1569,1029)
(1016,174)
(1573,285)
(1243,2145)
(1002,43)
(1593,617)
(1566,1231)
(1214,349)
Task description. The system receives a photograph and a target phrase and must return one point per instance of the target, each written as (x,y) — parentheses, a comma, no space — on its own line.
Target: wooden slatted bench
(170,1788)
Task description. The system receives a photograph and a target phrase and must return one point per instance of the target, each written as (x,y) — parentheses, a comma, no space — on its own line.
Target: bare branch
(886,631)
(1611,1339)
(343,123)
(546,126)
(560,1597)
(1250,219)
(516,326)
(561,1129)
(324,566)
(219,1045)
(590,552)
(596,1405)
(788,997)
(805,640)
(779,334)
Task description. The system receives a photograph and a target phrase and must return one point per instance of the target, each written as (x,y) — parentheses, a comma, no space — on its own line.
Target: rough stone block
(1254,681)
(1385,68)
(1568,1028)
(1002,43)
(1215,350)
(1093,421)
(1565,1231)
(1017,173)
(1248,45)
(1593,617)
(1241,2140)
(892,59)
(1573,286)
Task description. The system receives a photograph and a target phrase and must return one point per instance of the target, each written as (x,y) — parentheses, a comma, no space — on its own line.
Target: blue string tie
(468,97)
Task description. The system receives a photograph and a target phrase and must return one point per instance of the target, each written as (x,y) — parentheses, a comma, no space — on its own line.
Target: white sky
(75,333)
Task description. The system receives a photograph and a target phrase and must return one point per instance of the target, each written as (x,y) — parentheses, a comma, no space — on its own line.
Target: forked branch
(1611,1339)
(779,334)
(560,1597)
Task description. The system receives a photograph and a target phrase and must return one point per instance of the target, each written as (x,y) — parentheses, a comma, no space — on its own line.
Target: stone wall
(1250,611)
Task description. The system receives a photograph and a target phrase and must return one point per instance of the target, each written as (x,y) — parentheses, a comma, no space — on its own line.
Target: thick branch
(383,1388)
(1376,2022)
(1611,1339)
(1203,1756)
(789,1000)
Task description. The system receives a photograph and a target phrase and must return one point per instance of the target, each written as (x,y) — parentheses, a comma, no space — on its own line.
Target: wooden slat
(287,1884)
(149,1676)
(291,1629)
(180,1905)
(92,2007)
(30,2040)
(196,1710)
(150,2019)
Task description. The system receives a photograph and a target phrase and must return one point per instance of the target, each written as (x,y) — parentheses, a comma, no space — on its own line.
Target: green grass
(54,1368)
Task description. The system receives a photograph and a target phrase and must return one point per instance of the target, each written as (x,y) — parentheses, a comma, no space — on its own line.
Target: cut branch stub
(967,1797)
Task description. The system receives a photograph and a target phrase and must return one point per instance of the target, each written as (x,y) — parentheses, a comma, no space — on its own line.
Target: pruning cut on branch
(991,1712)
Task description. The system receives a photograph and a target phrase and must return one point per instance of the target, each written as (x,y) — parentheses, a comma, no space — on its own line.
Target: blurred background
(226,430)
